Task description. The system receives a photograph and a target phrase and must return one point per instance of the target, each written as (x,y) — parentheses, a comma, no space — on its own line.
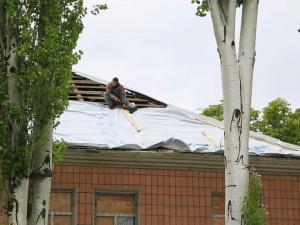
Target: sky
(162,49)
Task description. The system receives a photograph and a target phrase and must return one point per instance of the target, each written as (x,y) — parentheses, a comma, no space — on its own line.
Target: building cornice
(174,160)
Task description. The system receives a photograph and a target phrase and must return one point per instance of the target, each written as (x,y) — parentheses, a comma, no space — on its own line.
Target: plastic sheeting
(92,124)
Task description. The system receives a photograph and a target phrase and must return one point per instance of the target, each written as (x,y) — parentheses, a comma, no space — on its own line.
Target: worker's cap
(115,79)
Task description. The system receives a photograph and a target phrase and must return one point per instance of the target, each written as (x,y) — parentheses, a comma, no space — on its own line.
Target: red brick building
(172,188)
(160,185)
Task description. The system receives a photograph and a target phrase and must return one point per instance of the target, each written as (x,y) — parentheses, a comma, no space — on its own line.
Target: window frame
(118,191)
(73,212)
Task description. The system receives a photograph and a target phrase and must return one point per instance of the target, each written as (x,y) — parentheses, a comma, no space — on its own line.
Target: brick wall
(167,197)
(282,197)
(174,197)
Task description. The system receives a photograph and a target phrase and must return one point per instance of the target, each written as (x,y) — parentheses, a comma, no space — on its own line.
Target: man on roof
(115,95)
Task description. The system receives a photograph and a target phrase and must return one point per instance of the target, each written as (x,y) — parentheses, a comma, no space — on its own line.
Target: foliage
(280,122)
(276,120)
(203,7)
(254,212)
(42,36)
(59,148)
(216,112)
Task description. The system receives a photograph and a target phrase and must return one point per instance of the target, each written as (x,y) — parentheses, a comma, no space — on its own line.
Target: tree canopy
(276,120)
(37,42)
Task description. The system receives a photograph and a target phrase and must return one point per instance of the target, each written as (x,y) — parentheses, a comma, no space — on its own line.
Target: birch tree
(37,39)
(237,72)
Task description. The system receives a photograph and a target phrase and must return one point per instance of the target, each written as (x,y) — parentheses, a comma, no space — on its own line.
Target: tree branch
(223,8)
(231,20)
(248,29)
(219,27)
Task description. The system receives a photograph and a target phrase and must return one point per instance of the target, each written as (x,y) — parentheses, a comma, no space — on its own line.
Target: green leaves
(45,34)
(280,122)
(214,111)
(276,120)
(202,8)
(59,148)
(254,211)
(96,9)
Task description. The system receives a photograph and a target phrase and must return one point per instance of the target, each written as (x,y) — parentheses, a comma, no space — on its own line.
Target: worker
(115,95)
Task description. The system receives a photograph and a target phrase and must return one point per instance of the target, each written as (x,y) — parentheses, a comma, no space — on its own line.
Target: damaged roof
(85,88)
(89,123)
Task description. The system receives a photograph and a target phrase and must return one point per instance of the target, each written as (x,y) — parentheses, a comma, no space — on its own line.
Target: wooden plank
(83,82)
(65,220)
(131,120)
(218,204)
(204,121)
(104,220)
(78,95)
(150,106)
(137,100)
(78,76)
(115,203)
(88,92)
(60,202)
(219,221)
(210,138)
(89,97)
(272,143)
(99,87)
(251,136)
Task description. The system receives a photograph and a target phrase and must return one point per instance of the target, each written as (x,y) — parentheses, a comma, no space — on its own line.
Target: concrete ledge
(174,160)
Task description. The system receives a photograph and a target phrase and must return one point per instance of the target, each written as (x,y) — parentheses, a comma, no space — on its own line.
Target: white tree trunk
(40,181)
(237,73)
(18,213)
(17,210)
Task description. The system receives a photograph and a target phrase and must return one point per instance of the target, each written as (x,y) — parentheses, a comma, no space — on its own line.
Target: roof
(88,88)
(89,123)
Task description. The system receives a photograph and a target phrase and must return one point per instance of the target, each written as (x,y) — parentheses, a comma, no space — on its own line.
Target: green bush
(255,212)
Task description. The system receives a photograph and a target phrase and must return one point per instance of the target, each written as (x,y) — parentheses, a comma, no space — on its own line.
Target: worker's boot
(133,109)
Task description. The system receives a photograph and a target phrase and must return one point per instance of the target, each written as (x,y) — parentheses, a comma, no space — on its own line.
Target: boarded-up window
(218,208)
(62,207)
(116,208)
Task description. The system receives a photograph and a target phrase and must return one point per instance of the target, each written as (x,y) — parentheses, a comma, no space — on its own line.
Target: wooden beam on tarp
(131,120)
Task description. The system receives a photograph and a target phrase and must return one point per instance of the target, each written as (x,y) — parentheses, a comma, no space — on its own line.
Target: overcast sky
(159,47)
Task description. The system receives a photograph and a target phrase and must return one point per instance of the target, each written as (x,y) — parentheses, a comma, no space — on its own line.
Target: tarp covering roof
(93,124)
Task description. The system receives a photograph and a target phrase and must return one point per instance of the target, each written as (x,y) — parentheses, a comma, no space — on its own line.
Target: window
(218,208)
(62,207)
(116,207)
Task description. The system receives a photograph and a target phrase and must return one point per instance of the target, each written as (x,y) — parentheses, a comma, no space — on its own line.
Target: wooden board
(105,220)
(210,138)
(251,136)
(131,120)
(114,203)
(60,202)
(218,204)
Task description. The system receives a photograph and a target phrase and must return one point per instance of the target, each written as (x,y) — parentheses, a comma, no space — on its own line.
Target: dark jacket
(117,91)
